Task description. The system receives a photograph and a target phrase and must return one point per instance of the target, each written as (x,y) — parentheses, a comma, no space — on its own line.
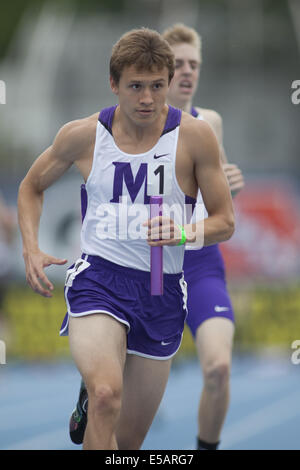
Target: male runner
(122,339)
(207,292)
(210,314)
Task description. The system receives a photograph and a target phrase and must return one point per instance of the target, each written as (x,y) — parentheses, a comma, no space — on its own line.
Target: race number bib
(159,178)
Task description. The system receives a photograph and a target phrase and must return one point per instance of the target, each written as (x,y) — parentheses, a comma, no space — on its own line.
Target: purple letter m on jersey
(123,172)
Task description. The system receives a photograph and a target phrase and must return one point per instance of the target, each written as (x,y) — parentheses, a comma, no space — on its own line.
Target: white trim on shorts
(89,312)
(157,358)
(92,312)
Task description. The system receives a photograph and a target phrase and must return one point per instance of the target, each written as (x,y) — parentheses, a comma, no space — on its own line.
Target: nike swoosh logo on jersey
(163,155)
(165,344)
(220,309)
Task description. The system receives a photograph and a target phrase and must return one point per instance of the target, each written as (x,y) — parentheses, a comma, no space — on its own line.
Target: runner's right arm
(48,167)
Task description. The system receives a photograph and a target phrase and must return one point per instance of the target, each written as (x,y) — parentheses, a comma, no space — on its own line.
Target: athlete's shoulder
(79,128)
(214,119)
(195,133)
(76,136)
(210,115)
(189,125)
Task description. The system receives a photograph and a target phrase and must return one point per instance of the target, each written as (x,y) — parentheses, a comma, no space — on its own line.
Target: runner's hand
(163,231)
(35,262)
(234,177)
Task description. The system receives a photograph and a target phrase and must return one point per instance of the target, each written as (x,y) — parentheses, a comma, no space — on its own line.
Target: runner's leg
(98,346)
(214,345)
(144,385)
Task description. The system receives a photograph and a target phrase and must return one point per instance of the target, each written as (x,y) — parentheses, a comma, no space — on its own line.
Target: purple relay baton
(156,255)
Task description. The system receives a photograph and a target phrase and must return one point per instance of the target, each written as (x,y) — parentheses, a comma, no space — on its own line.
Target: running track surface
(36,400)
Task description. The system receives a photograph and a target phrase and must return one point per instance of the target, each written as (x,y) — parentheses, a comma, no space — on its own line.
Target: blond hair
(179,33)
(145,49)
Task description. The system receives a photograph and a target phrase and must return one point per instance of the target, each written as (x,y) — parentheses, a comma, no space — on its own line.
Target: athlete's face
(142,94)
(184,83)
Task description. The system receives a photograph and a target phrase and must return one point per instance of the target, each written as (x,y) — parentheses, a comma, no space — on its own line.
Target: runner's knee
(104,398)
(216,375)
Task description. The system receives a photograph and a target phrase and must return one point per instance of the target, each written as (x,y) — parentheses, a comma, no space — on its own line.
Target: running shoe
(78,419)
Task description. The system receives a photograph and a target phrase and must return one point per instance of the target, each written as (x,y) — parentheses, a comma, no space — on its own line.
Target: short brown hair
(144,48)
(179,33)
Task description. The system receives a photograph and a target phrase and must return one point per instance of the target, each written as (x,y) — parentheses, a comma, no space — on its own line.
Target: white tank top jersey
(117,192)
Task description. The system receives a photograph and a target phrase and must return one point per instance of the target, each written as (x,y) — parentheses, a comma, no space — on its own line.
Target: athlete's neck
(137,130)
(136,137)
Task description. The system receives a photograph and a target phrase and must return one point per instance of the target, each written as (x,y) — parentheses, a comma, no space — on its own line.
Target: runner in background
(210,313)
